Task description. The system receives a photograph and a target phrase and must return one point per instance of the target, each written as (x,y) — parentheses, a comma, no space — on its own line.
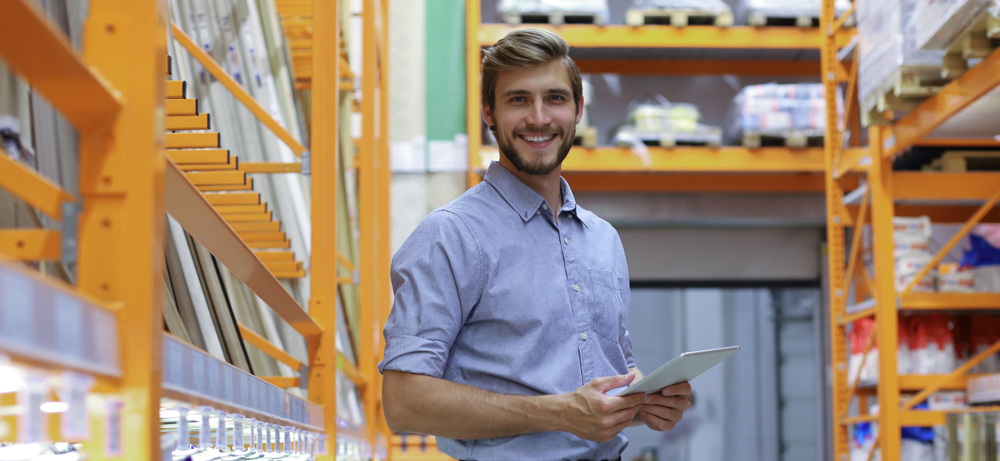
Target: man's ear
(579,111)
(488,116)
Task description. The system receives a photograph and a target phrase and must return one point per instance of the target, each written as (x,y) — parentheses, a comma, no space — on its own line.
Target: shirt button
(584,336)
(566,239)
(545,206)
(538,213)
(576,287)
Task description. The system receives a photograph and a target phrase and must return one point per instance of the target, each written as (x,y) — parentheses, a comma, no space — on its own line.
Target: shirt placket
(579,293)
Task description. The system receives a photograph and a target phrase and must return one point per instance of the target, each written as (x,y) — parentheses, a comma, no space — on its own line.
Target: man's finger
(612,382)
(662,412)
(656,423)
(678,402)
(677,389)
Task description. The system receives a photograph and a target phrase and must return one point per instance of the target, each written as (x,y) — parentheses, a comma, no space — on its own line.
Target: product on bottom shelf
(911,250)
(893,74)
(984,332)
(555,12)
(955,278)
(801,13)
(973,436)
(783,115)
(653,120)
(679,13)
(917,443)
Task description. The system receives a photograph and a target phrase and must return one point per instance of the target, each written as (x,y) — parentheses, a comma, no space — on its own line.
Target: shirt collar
(521,198)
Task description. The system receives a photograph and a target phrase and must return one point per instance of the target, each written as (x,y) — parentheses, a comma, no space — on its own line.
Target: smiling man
(508,327)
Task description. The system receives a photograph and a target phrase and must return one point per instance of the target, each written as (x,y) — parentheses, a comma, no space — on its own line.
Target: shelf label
(31,423)
(113,428)
(73,390)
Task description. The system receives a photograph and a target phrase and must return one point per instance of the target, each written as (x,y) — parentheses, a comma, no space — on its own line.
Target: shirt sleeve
(437,277)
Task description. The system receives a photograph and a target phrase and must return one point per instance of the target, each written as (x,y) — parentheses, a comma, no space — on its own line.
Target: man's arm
(428,405)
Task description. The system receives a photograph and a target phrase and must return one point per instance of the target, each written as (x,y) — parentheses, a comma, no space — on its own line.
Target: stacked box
(937,24)
(776,110)
(888,48)
(598,8)
(785,8)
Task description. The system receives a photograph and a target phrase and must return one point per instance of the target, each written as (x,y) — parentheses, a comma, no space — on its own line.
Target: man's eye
(518,99)
(558,97)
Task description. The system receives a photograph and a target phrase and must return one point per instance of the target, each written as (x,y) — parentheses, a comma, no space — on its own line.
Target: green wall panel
(445,69)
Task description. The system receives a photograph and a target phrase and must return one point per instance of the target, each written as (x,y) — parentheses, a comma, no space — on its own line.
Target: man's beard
(506,145)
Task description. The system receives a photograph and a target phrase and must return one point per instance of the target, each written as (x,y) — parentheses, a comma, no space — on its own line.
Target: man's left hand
(661,412)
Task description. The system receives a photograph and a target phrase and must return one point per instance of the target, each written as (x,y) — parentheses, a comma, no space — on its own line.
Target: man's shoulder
(594,222)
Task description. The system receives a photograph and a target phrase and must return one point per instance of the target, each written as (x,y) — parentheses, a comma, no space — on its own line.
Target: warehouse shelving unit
(109,325)
(942,196)
(689,169)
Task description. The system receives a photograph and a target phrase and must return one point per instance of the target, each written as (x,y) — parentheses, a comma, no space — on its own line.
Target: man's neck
(548,186)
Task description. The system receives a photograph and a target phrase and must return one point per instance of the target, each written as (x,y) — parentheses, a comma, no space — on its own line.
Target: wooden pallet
(586,137)
(760,19)
(977,43)
(963,161)
(709,138)
(796,139)
(679,17)
(910,87)
(556,18)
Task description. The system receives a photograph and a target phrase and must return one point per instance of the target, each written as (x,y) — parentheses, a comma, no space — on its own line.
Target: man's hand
(592,415)
(661,412)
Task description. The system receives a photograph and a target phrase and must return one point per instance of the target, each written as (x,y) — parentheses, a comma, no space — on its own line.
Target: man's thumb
(613,382)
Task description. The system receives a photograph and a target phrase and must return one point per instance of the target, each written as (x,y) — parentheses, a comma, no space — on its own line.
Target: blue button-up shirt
(492,293)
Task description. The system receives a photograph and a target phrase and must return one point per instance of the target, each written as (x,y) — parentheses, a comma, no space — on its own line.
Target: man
(508,326)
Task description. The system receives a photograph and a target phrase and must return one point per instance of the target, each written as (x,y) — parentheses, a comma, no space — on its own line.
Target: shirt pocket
(607,308)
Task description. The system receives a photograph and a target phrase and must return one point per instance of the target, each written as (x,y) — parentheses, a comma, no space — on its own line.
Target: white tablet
(682,368)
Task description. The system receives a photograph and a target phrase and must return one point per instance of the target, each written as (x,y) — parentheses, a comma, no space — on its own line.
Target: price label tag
(73,390)
(221,433)
(183,431)
(113,428)
(205,428)
(238,433)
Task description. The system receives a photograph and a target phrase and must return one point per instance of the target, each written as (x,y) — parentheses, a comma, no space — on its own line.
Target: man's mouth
(537,138)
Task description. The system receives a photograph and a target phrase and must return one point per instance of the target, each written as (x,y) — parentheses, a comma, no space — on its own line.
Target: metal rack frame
(878,206)
(114,95)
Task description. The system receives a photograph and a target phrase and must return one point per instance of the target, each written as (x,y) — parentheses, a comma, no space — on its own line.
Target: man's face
(535,117)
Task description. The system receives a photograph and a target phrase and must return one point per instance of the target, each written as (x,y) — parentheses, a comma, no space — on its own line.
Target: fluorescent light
(10,379)
(54,407)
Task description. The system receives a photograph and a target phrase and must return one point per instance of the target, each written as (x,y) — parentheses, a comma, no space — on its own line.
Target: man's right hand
(593,415)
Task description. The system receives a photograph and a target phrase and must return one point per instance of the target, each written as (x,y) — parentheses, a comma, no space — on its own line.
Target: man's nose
(539,114)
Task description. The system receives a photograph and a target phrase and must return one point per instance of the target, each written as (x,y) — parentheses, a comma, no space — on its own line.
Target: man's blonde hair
(522,49)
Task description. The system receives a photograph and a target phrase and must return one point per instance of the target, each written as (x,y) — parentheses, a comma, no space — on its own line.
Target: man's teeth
(539,138)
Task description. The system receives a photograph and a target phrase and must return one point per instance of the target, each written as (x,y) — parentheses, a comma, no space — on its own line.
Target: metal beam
(40,53)
(30,244)
(269,348)
(694,159)
(694,182)
(622,36)
(699,67)
(945,186)
(955,96)
(248,101)
(32,187)
(190,208)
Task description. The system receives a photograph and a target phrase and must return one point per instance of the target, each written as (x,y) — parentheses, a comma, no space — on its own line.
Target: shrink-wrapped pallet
(679,12)
(890,59)
(937,24)
(655,120)
(756,12)
(780,111)
(556,11)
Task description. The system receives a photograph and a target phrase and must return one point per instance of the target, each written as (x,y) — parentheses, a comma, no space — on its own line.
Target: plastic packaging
(911,250)
(938,24)
(510,9)
(984,259)
(932,344)
(888,50)
(752,11)
(955,278)
(778,110)
(655,120)
(716,7)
